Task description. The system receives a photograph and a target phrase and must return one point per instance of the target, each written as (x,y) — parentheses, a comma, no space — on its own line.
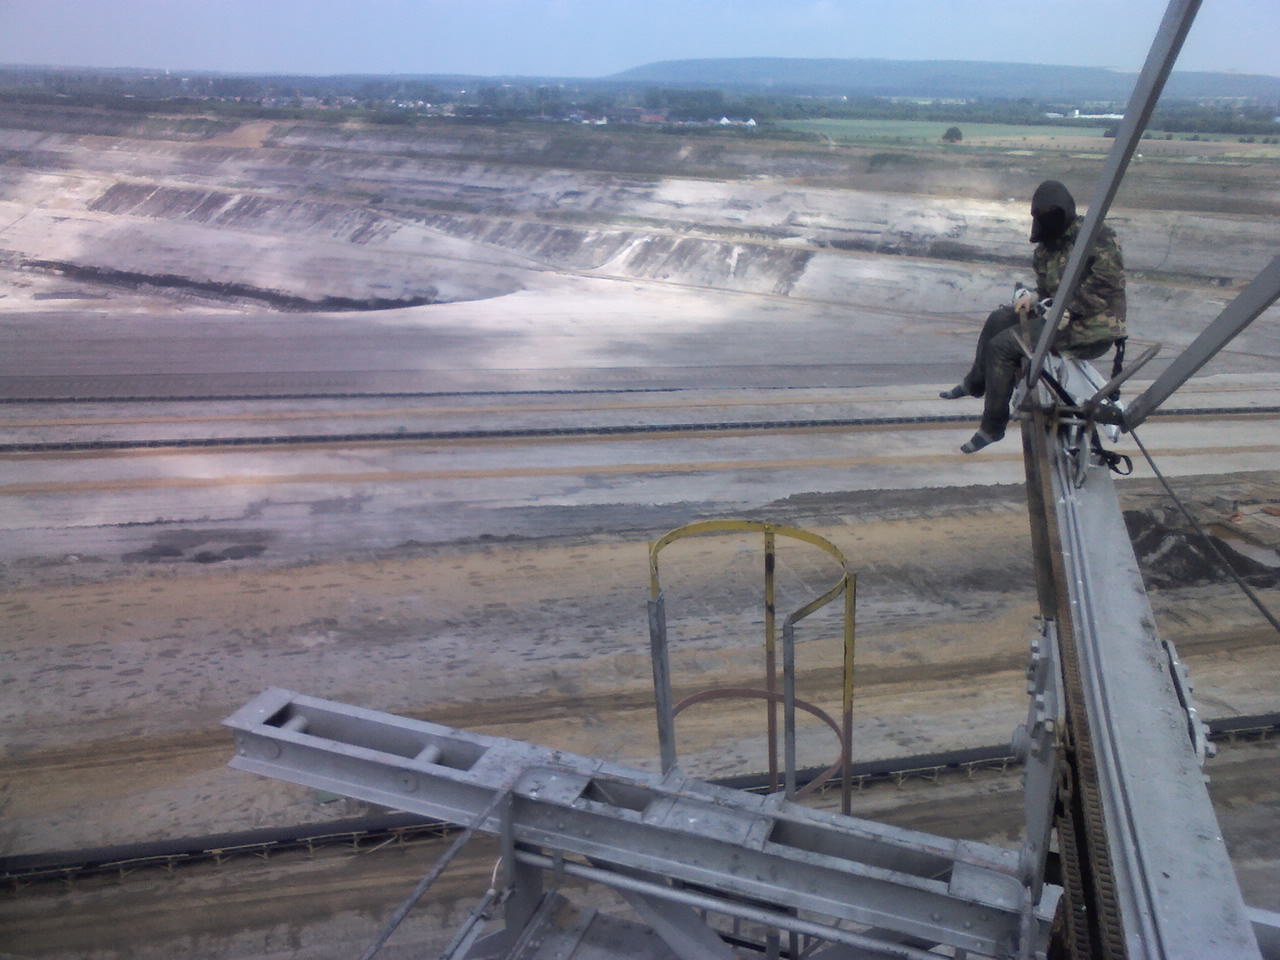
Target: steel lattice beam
(739,845)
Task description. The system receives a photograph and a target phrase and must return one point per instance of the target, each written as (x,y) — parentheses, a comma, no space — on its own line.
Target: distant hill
(939,78)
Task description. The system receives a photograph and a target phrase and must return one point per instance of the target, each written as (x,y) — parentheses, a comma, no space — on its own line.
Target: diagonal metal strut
(1164,51)
(1260,294)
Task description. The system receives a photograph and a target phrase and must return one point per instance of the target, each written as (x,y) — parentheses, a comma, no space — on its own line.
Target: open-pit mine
(389,414)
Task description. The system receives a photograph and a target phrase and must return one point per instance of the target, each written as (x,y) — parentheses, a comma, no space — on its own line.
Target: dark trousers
(998,359)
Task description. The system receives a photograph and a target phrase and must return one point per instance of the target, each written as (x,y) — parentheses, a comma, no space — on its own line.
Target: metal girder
(876,943)
(1164,51)
(742,846)
(1169,877)
(679,926)
(1261,293)
(560,931)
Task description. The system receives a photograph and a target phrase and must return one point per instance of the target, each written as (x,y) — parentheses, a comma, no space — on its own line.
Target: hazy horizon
(150,68)
(574,39)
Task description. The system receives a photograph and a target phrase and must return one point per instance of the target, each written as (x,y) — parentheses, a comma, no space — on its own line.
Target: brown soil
(122,683)
(251,134)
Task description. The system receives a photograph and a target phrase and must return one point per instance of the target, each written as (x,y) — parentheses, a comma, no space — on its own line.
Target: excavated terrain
(332,216)
(545,277)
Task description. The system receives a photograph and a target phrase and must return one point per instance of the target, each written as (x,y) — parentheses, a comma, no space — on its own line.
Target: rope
(432,875)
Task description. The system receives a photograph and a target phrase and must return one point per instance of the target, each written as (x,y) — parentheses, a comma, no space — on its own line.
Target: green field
(929,131)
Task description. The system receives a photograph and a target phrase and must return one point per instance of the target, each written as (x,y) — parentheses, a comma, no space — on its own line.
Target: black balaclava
(1053,209)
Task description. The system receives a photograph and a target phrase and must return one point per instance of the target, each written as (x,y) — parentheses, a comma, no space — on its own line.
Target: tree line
(398,99)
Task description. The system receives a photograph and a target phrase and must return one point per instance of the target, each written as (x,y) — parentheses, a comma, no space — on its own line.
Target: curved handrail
(735,526)
(846,586)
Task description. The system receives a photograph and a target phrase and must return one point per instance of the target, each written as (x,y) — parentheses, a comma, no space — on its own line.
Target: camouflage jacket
(1097,311)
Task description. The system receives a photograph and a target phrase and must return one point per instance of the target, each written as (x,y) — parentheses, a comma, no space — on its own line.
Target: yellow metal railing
(845,586)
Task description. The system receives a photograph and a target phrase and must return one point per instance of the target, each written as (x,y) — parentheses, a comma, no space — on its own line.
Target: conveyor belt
(72,446)
(366,834)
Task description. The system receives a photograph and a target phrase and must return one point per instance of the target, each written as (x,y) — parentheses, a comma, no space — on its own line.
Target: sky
(594,38)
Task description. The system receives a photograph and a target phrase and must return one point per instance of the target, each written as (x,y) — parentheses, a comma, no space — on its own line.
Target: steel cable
(1226,564)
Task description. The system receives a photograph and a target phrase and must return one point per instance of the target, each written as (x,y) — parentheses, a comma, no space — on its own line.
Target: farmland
(1012,136)
(930,131)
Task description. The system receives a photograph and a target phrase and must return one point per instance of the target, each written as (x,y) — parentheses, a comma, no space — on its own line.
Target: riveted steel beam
(744,846)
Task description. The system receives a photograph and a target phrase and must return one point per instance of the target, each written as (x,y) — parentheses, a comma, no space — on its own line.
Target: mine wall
(567,148)
(400,217)
(317,257)
(1233,187)
(1201,248)
(344,222)
(81,120)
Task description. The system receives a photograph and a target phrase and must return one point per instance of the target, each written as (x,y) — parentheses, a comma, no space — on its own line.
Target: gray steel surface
(1174,881)
(891,946)
(739,845)
(679,925)
(562,933)
(1266,927)
(1037,744)
(662,682)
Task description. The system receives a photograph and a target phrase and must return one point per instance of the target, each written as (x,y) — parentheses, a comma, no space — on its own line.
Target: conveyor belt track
(516,433)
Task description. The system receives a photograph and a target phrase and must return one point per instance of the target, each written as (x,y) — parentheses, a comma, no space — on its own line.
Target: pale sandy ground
(252,134)
(62,421)
(544,640)
(501,587)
